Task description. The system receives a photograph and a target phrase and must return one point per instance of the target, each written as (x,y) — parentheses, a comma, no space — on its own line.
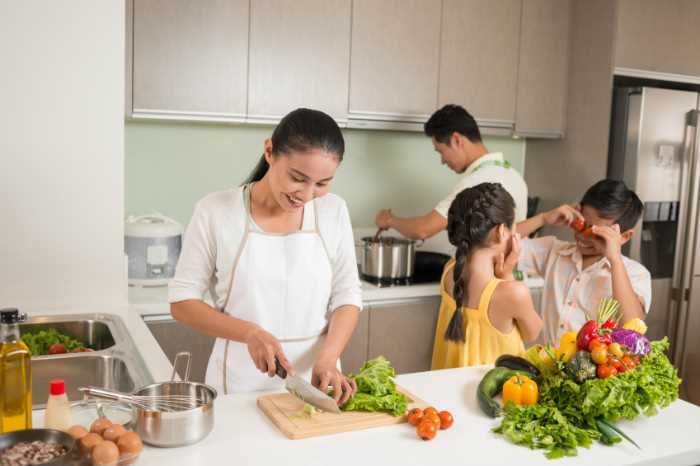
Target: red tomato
(599,355)
(57,348)
(595,342)
(431,417)
(446,420)
(415,416)
(578,224)
(604,371)
(615,363)
(427,430)
(430,409)
(628,362)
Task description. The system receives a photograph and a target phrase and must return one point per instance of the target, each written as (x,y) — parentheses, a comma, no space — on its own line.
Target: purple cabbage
(636,342)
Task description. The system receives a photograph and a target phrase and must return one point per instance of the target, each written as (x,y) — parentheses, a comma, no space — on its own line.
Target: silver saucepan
(388,257)
(169,414)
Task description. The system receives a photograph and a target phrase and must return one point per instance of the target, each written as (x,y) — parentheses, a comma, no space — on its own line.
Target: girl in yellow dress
(484,311)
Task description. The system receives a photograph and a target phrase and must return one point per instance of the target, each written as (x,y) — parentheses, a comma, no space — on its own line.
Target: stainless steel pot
(388,257)
(157,422)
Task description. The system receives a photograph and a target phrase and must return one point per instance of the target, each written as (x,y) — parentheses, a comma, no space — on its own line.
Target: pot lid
(151,226)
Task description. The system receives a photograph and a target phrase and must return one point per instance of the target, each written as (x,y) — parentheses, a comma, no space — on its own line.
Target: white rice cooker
(152,244)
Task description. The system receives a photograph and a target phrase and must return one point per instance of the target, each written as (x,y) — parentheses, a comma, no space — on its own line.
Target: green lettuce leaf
(376,389)
(39,342)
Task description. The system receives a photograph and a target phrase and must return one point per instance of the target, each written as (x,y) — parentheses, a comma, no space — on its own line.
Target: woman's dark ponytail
(259,171)
(470,219)
(301,131)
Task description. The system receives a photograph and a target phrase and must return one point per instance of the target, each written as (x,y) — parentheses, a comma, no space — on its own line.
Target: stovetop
(385,282)
(428,269)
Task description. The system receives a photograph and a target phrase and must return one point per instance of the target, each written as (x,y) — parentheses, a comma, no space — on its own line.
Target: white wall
(61,152)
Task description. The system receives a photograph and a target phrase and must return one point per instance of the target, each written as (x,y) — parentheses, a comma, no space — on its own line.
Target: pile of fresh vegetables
(51,341)
(376,389)
(597,376)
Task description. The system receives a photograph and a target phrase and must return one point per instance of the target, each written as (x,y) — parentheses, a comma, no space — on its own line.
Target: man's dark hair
(614,201)
(452,119)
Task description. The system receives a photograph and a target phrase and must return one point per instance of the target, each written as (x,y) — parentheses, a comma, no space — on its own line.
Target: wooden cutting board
(280,407)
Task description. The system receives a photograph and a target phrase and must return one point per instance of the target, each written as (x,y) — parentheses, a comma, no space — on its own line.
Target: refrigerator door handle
(688,220)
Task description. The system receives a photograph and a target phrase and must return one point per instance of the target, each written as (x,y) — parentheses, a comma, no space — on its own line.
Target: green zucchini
(490,386)
(608,426)
(517,364)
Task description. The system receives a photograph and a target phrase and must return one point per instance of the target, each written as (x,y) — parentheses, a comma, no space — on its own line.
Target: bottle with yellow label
(15,375)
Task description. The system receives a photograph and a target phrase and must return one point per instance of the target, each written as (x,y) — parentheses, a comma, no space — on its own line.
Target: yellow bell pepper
(637,325)
(567,345)
(521,390)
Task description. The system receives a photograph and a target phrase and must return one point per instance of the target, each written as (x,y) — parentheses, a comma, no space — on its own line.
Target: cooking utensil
(377,234)
(72,456)
(168,403)
(305,391)
(174,427)
(388,257)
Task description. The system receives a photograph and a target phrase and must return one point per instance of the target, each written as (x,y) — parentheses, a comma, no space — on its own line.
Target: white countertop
(153,301)
(243,436)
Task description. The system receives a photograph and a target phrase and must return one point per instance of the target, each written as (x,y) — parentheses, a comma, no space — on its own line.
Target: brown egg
(113,432)
(77,432)
(88,442)
(100,424)
(105,454)
(130,444)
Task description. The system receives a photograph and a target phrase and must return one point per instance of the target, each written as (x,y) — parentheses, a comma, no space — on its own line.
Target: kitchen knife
(305,391)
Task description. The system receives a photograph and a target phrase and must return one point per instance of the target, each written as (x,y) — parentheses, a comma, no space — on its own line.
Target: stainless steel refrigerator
(655,149)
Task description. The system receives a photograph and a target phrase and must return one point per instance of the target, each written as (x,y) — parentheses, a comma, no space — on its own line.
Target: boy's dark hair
(452,119)
(471,217)
(615,201)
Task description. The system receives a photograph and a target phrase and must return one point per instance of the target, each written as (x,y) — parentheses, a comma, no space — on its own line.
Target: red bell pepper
(588,332)
(609,324)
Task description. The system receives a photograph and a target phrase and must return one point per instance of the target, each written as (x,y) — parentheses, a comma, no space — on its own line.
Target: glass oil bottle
(15,375)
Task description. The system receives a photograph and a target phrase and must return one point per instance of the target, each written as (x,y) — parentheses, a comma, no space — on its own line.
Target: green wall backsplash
(169,166)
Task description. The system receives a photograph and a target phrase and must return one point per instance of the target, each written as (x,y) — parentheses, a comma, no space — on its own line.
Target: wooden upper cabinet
(394,59)
(479,58)
(543,70)
(658,36)
(190,58)
(299,57)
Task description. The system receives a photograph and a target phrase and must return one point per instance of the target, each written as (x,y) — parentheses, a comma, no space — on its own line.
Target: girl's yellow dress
(483,342)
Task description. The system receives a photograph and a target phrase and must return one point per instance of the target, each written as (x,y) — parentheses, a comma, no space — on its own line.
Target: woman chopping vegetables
(278,256)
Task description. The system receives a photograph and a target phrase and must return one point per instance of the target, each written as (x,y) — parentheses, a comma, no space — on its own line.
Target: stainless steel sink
(93,333)
(101,370)
(115,363)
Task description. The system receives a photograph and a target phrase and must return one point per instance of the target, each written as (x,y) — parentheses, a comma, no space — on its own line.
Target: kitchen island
(244,436)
